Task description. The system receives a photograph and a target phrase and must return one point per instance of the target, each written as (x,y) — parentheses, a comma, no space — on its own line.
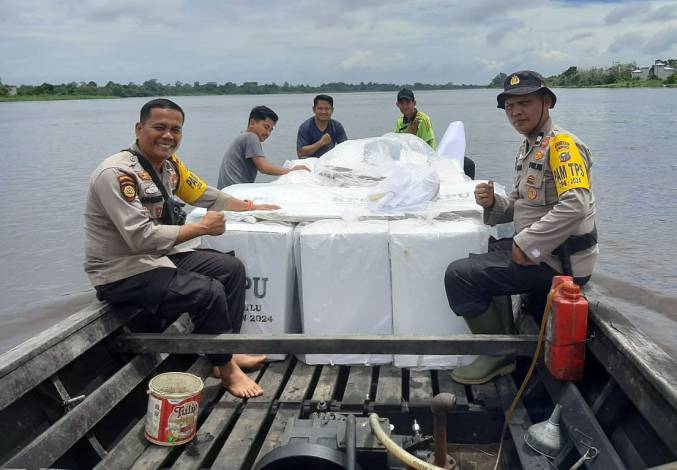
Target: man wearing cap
(415,122)
(553,210)
(412,120)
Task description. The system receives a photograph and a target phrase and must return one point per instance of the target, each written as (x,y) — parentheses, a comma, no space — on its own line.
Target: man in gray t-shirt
(244,158)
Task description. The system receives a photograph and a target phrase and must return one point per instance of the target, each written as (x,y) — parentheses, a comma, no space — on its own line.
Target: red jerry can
(566,332)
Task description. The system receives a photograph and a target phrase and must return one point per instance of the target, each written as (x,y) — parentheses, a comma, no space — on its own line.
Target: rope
(532,367)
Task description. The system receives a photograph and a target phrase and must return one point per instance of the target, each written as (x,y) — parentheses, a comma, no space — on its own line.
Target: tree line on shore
(596,76)
(153,87)
(617,73)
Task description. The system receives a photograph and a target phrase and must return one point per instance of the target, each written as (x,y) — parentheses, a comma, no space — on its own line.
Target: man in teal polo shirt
(412,120)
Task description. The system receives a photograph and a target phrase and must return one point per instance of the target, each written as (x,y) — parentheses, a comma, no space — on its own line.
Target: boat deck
(75,396)
(235,434)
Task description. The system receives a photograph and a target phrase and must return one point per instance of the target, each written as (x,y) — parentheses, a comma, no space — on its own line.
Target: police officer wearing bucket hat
(552,207)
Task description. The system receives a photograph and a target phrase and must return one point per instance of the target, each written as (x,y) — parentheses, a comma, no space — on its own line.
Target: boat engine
(337,441)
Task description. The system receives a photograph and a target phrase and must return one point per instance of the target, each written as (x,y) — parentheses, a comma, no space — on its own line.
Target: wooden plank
(358,387)
(626,448)
(654,364)
(326,385)
(134,445)
(34,346)
(276,432)
(577,418)
(488,345)
(272,381)
(449,386)
(389,387)
(487,395)
(643,392)
(420,388)
(290,404)
(519,423)
(54,442)
(216,424)
(235,450)
(298,384)
(239,443)
(30,367)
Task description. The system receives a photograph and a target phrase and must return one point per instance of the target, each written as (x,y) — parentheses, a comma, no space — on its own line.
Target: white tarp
(306,203)
(341,182)
(340,249)
(452,144)
(344,284)
(420,252)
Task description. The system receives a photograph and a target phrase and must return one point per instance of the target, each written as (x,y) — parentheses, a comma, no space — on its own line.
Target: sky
(311,42)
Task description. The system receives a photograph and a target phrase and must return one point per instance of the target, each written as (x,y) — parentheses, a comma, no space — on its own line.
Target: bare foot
(244,361)
(249,361)
(237,382)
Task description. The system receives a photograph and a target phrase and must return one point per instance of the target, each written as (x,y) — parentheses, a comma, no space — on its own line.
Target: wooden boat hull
(75,396)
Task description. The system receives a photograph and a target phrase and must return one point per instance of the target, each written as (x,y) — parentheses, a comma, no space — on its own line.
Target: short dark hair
(161,103)
(261,113)
(326,98)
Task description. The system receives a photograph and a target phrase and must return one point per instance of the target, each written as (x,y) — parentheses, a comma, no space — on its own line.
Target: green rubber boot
(497,319)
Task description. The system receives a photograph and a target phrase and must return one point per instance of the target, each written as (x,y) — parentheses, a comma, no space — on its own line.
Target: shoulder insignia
(127,187)
(190,187)
(567,164)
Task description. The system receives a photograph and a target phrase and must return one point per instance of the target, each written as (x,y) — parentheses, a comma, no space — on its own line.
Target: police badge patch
(127,187)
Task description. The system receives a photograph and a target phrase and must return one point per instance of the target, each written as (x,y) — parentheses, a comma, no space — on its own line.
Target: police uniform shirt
(551,198)
(124,234)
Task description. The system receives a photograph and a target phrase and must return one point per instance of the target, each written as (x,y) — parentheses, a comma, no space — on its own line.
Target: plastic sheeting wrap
(353,180)
(344,284)
(420,252)
(365,162)
(265,248)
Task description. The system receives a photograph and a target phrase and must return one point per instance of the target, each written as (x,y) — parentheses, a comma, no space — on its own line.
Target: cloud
(501,30)
(630,41)
(664,13)
(358,59)
(632,11)
(345,40)
(662,41)
(579,36)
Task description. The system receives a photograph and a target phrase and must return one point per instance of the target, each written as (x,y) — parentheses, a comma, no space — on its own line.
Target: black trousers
(207,284)
(470,283)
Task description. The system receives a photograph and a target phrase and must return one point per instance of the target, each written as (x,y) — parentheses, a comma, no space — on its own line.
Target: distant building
(11,90)
(641,73)
(662,70)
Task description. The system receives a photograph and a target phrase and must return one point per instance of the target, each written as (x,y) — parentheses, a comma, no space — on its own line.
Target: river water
(48,149)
